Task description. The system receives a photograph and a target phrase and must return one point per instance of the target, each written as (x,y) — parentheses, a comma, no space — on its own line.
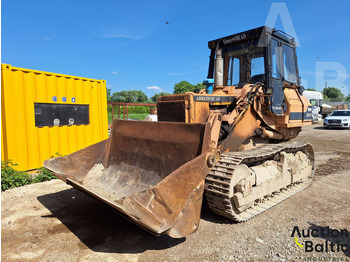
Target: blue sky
(129,43)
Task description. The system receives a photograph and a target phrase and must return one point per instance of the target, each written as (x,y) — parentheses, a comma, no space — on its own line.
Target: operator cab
(262,55)
(244,63)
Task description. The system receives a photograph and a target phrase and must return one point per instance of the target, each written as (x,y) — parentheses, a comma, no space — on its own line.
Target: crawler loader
(227,142)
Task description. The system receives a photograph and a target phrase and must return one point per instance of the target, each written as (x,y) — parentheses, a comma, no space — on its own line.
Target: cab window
(244,63)
(233,75)
(275,58)
(258,67)
(290,72)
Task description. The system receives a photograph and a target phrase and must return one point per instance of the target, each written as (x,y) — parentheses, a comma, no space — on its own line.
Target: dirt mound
(334,165)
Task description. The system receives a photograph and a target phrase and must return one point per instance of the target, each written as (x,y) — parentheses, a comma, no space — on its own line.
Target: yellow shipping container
(46,113)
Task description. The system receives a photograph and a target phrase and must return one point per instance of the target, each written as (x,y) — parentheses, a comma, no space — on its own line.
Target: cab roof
(257,33)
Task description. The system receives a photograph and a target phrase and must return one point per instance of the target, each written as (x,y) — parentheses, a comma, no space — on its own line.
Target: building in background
(316,100)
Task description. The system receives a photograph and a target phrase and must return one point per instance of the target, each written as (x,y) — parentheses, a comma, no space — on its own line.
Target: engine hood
(337,117)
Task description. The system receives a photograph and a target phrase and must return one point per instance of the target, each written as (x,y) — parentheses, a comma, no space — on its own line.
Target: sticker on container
(64,99)
(73,99)
(54,98)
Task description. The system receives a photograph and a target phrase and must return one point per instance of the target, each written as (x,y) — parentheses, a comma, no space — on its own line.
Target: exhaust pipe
(219,67)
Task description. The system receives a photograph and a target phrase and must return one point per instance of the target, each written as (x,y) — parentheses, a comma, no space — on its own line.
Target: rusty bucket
(152,172)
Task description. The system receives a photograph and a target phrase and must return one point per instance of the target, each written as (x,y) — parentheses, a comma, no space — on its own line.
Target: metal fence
(123,108)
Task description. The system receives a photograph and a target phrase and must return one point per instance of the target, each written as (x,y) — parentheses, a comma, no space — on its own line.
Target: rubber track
(217,183)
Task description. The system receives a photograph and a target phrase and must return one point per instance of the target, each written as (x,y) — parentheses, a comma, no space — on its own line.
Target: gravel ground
(50,221)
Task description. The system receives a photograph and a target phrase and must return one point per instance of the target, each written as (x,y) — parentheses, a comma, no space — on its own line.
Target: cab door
(276,80)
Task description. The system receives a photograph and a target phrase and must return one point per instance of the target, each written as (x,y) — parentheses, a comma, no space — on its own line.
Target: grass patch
(131,116)
(11,178)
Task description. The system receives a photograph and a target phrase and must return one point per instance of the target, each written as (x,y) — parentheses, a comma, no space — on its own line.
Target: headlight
(325,120)
(346,120)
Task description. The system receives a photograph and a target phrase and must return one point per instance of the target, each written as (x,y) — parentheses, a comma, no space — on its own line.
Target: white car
(338,118)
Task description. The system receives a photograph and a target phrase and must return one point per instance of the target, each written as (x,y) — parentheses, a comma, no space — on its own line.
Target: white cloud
(114,72)
(155,88)
(121,36)
(49,37)
(109,85)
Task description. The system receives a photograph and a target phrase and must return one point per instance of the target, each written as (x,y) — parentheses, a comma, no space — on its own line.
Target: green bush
(43,175)
(131,110)
(131,116)
(11,178)
(139,110)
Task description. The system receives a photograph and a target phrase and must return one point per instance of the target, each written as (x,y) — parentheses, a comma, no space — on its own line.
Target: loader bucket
(152,172)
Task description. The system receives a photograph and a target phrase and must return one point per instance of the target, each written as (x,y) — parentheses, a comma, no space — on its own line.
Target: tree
(109,97)
(155,97)
(334,94)
(310,89)
(184,86)
(199,87)
(130,96)
(348,98)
